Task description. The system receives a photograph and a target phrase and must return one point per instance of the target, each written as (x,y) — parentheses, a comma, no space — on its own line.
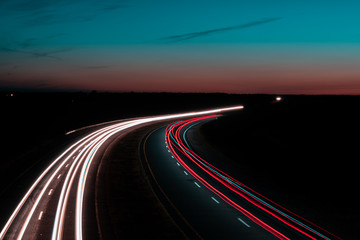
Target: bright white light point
(278,98)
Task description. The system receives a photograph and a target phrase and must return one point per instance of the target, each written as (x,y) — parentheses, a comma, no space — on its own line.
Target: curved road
(207,202)
(57,204)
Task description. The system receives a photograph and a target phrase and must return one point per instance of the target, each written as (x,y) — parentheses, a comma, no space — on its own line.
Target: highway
(209,203)
(58,203)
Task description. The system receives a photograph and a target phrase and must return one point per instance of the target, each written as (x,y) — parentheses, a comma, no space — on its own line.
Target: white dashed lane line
(243,222)
(215,200)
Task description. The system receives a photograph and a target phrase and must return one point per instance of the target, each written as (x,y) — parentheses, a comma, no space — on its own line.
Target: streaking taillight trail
(207,174)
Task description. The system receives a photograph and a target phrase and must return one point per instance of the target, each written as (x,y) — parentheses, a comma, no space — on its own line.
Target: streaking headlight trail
(67,176)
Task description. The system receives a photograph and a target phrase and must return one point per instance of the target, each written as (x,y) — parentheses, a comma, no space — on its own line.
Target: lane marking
(178,164)
(162,191)
(40,215)
(67,165)
(50,192)
(197,185)
(186,173)
(243,222)
(215,200)
(59,176)
(149,119)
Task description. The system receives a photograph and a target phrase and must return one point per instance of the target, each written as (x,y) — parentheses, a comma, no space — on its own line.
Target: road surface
(207,202)
(59,204)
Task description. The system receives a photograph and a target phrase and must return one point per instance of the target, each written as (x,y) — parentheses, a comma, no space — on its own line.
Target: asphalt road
(207,202)
(54,205)
(60,202)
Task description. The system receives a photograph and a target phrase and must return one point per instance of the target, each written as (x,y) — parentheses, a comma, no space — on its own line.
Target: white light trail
(23,200)
(35,204)
(81,154)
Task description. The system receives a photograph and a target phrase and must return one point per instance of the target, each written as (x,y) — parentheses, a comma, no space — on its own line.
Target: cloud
(34,13)
(49,54)
(34,53)
(183,37)
(114,7)
(26,43)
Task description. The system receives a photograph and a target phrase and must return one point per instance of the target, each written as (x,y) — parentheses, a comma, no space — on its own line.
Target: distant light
(278,99)
(11,94)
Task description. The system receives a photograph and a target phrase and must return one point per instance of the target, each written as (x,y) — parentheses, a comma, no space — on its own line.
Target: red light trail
(216,180)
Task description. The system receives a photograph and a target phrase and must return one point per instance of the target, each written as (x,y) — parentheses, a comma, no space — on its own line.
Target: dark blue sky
(253,46)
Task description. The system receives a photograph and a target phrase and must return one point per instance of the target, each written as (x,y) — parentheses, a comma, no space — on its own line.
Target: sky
(230,46)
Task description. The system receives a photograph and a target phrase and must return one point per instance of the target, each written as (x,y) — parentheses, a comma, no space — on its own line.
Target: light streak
(194,164)
(28,193)
(173,134)
(79,157)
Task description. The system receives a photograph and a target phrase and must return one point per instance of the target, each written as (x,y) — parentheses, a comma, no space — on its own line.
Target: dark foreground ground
(34,129)
(34,125)
(301,150)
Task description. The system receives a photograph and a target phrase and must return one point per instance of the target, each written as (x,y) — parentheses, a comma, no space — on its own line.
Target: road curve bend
(53,207)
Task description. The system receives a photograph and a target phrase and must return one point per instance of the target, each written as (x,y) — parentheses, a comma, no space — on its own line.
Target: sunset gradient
(306,47)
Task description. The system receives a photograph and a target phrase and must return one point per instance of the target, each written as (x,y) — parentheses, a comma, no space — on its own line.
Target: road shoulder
(132,207)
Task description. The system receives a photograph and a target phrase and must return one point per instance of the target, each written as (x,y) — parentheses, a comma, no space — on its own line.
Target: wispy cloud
(46,54)
(26,43)
(114,7)
(187,36)
(32,13)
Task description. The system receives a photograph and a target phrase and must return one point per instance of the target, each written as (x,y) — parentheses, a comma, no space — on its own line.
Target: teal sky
(253,46)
